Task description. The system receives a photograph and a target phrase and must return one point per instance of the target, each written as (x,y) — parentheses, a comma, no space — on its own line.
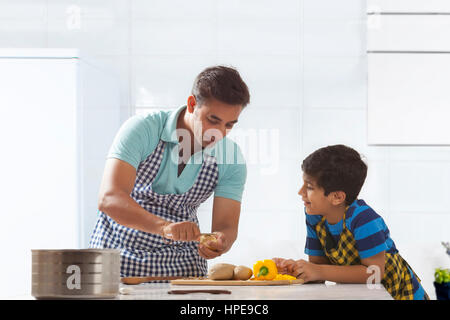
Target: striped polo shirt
(368,228)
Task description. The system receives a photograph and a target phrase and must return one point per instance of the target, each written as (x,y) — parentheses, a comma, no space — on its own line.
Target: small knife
(212,291)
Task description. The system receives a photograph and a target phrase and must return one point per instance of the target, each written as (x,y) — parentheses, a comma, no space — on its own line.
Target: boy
(346,239)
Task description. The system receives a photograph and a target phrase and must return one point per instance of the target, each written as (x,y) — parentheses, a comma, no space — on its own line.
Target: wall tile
(333,10)
(419,186)
(89,9)
(324,127)
(119,65)
(419,153)
(276,131)
(165,82)
(258,37)
(23,10)
(173,37)
(93,37)
(375,191)
(334,38)
(275,192)
(23,33)
(335,82)
(193,10)
(273,81)
(259,9)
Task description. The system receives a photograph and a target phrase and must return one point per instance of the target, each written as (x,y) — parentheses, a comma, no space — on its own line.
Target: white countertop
(328,291)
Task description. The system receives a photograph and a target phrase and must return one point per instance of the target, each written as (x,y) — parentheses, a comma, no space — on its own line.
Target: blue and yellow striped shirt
(368,228)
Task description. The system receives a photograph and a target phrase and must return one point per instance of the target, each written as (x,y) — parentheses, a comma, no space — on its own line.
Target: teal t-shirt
(139,136)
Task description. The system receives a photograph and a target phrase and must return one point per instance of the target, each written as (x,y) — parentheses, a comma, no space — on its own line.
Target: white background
(305,63)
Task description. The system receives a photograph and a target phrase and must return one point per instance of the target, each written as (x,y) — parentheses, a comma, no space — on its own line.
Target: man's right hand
(181,231)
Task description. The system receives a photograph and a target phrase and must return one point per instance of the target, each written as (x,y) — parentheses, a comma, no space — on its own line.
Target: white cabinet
(409,99)
(409,33)
(58,116)
(408,6)
(408,72)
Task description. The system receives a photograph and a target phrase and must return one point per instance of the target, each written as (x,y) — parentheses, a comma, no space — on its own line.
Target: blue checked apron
(146,254)
(397,279)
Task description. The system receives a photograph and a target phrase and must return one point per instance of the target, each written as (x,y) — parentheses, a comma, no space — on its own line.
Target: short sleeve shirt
(368,228)
(139,135)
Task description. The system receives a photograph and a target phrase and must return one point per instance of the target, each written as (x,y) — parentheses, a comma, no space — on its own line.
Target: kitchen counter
(327,291)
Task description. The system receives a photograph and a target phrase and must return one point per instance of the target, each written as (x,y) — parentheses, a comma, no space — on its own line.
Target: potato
(205,238)
(221,271)
(242,273)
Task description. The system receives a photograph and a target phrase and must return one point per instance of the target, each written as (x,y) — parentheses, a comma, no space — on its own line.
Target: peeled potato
(242,273)
(205,238)
(221,271)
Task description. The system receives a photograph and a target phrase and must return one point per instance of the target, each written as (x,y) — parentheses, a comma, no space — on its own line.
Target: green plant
(442,275)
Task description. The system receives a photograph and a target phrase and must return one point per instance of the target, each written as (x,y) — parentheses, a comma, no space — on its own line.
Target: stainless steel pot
(82,273)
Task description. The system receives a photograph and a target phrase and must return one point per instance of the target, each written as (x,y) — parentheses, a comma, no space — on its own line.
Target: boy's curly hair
(337,168)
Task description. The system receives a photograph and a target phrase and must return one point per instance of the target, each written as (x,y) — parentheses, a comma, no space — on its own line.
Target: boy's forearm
(344,274)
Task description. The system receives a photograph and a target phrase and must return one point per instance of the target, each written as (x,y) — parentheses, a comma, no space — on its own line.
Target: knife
(138,280)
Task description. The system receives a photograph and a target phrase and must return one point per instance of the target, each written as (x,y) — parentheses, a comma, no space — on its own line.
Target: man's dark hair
(221,83)
(337,168)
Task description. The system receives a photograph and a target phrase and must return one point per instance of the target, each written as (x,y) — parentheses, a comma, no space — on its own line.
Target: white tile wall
(164,81)
(322,127)
(275,82)
(419,187)
(175,10)
(272,37)
(333,10)
(23,33)
(335,82)
(334,38)
(168,37)
(305,64)
(262,10)
(96,37)
(26,9)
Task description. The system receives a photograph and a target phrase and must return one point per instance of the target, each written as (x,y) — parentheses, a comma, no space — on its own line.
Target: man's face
(213,120)
(313,196)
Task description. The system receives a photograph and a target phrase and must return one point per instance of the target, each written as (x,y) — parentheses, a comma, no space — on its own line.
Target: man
(161,167)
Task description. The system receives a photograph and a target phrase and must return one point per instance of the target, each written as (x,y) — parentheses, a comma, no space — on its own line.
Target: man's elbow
(106,201)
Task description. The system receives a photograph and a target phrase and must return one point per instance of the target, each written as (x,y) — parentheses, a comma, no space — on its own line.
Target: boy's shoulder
(359,213)
(312,219)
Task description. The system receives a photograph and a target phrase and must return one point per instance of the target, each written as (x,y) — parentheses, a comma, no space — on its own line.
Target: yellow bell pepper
(284,277)
(265,270)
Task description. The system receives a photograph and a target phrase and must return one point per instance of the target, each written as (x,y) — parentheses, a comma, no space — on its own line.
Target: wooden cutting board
(208,282)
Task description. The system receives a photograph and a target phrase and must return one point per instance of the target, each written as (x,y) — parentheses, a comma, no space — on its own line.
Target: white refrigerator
(59,113)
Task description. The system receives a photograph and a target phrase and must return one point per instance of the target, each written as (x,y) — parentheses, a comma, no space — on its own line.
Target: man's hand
(181,231)
(213,249)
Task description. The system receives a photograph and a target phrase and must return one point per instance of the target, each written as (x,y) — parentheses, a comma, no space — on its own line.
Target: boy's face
(314,198)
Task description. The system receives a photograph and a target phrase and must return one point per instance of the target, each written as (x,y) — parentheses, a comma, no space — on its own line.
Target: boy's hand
(300,269)
(284,266)
(305,270)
